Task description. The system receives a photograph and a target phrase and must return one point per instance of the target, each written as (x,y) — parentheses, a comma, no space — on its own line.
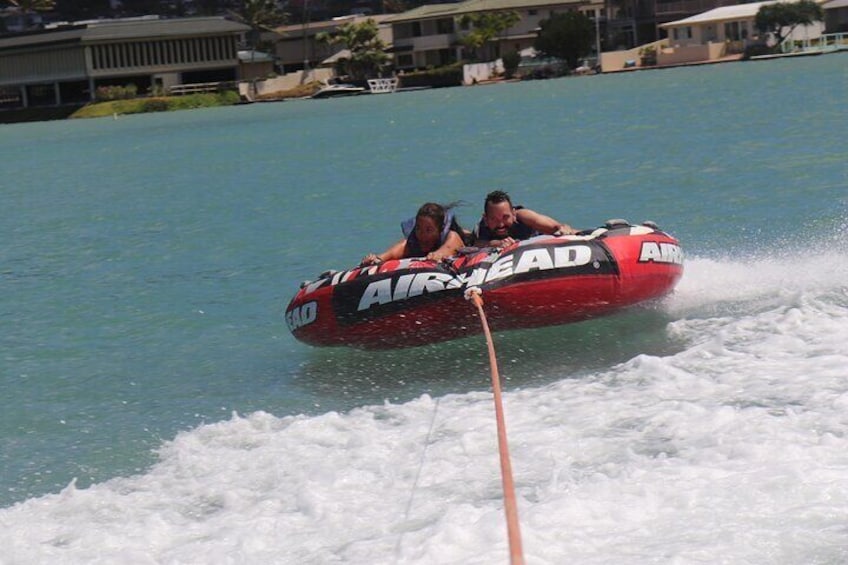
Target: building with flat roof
(66,64)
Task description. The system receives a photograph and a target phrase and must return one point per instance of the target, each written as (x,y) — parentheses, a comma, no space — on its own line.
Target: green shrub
(450,75)
(758,49)
(510,63)
(204,100)
(155,105)
(115,92)
(159,104)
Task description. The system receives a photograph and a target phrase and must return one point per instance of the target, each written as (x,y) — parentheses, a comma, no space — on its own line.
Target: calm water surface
(145,263)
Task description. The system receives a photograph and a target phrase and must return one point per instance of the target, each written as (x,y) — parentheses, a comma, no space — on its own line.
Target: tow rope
(516,553)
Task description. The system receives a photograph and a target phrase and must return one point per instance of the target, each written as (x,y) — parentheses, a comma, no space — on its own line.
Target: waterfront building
(298,49)
(632,23)
(836,16)
(430,35)
(67,63)
(727,33)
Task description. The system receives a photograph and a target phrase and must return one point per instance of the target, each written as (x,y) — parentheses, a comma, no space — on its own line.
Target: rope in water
(516,553)
(417,476)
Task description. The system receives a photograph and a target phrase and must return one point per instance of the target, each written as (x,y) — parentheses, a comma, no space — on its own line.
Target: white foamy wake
(734,450)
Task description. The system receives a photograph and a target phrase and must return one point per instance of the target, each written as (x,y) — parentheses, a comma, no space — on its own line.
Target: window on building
(10,97)
(444,26)
(400,31)
(447,56)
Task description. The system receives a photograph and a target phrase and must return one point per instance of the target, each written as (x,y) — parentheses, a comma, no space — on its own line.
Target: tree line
(296,11)
(71,10)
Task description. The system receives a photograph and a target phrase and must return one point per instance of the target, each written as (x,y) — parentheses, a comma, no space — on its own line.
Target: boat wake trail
(728,286)
(731,445)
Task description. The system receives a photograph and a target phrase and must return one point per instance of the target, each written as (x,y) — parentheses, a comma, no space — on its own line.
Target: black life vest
(517,230)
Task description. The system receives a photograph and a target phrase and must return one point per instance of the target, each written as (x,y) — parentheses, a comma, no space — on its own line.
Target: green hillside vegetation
(157,104)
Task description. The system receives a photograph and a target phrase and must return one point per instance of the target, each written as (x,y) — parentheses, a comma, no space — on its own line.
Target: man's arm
(543,224)
(506,242)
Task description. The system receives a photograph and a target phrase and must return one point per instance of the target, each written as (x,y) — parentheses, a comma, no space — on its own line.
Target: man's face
(499,218)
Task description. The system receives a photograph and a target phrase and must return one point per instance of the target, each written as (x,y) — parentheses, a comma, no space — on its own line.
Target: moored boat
(541,281)
(335,90)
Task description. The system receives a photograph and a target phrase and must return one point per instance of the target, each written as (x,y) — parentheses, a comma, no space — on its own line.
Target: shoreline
(115,108)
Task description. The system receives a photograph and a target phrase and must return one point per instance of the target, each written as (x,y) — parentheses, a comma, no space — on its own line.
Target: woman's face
(428,233)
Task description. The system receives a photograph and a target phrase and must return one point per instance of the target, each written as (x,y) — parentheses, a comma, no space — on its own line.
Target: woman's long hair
(438,212)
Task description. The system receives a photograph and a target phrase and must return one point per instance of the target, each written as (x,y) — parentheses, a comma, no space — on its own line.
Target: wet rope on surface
(516,553)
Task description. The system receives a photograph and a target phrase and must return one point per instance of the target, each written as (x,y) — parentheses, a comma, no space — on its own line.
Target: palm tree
(368,57)
(486,26)
(260,15)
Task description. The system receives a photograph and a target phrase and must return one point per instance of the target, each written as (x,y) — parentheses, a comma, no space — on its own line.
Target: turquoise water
(146,260)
